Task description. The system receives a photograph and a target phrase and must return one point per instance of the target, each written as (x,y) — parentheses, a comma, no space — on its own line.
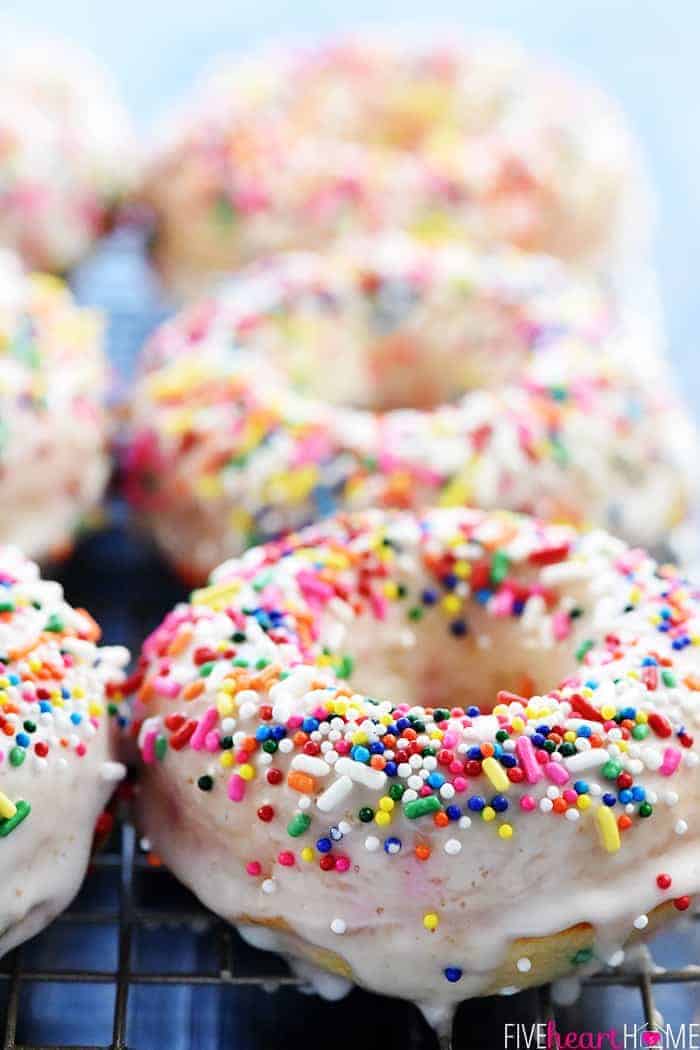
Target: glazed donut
(53,383)
(440,756)
(67,153)
(443,139)
(57,757)
(241,429)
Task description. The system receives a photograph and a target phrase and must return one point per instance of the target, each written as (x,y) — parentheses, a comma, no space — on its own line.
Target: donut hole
(456,657)
(382,338)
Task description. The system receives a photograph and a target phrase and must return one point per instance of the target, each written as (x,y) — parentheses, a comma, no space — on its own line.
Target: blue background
(645,53)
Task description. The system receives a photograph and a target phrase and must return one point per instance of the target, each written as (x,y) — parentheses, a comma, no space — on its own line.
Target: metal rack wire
(131,911)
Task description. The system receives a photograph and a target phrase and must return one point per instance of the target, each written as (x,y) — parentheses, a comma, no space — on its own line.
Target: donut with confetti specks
(58,749)
(54,461)
(389,373)
(445,139)
(67,151)
(440,756)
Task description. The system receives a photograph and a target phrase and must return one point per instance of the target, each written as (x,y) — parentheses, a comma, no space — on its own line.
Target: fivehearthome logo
(628,1037)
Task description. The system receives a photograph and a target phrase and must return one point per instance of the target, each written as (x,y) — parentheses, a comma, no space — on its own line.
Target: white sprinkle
(641,922)
(584,760)
(372,843)
(285,746)
(374,779)
(681,827)
(573,815)
(453,847)
(336,793)
(316,767)
(269,886)
(546,805)
(447,791)
(464,822)
(339,926)
(344,827)
(524,965)
(111,772)
(617,958)
(304,802)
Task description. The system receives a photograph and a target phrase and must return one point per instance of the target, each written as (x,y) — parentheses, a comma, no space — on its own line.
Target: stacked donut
(66,151)
(386,373)
(443,139)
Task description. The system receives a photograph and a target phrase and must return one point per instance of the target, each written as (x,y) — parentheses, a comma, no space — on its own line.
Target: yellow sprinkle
(382,818)
(307,854)
(518,725)
(247,771)
(488,814)
(391,590)
(451,603)
(431,921)
(496,774)
(642,717)
(217,596)
(226,759)
(607,829)
(7,807)
(462,569)
(583,802)
(608,711)
(96,709)
(386,803)
(505,831)
(569,736)
(224,704)
(78,691)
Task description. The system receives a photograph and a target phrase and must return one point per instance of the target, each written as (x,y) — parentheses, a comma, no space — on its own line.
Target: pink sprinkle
(204,727)
(570,796)
(556,773)
(425,791)
(671,762)
(166,686)
(561,626)
(253,867)
(342,863)
(148,750)
(236,788)
(526,754)
(450,739)
(460,784)
(211,743)
(528,803)
(286,858)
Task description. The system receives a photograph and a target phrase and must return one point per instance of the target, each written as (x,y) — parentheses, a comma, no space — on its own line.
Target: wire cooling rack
(143,925)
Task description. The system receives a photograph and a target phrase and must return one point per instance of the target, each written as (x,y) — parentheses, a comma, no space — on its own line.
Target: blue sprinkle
(581,787)
(453,812)
(625,796)
(608,799)
(429,597)
(499,803)
(360,754)
(391,769)
(309,725)
(436,780)
(324,845)
(638,794)
(392,845)
(76,719)
(23,740)
(453,974)
(473,712)
(476,803)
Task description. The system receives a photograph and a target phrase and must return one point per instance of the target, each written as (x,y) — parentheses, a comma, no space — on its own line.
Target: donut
(57,756)
(67,153)
(389,373)
(53,434)
(440,756)
(444,139)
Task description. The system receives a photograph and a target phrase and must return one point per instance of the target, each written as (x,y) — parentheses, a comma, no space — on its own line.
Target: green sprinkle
(17,756)
(583,649)
(500,563)
(396,791)
(224,211)
(9,824)
(420,807)
(238,636)
(415,613)
(668,678)
(640,732)
(54,623)
(645,810)
(611,770)
(161,746)
(261,664)
(206,669)
(240,662)
(345,667)
(582,956)
(298,825)
(270,746)
(7,607)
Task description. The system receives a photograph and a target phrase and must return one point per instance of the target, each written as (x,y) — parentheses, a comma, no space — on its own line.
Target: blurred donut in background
(67,151)
(387,373)
(295,146)
(54,460)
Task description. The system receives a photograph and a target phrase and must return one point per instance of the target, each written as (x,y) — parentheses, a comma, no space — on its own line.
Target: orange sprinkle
(193,689)
(302,782)
(299,738)
(441,819)
(559,805)
(624,822)
(422,852)
(94,631)
(487,750)
(181,640)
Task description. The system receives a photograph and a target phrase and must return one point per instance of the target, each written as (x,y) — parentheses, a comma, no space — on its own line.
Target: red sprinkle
(660,724)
